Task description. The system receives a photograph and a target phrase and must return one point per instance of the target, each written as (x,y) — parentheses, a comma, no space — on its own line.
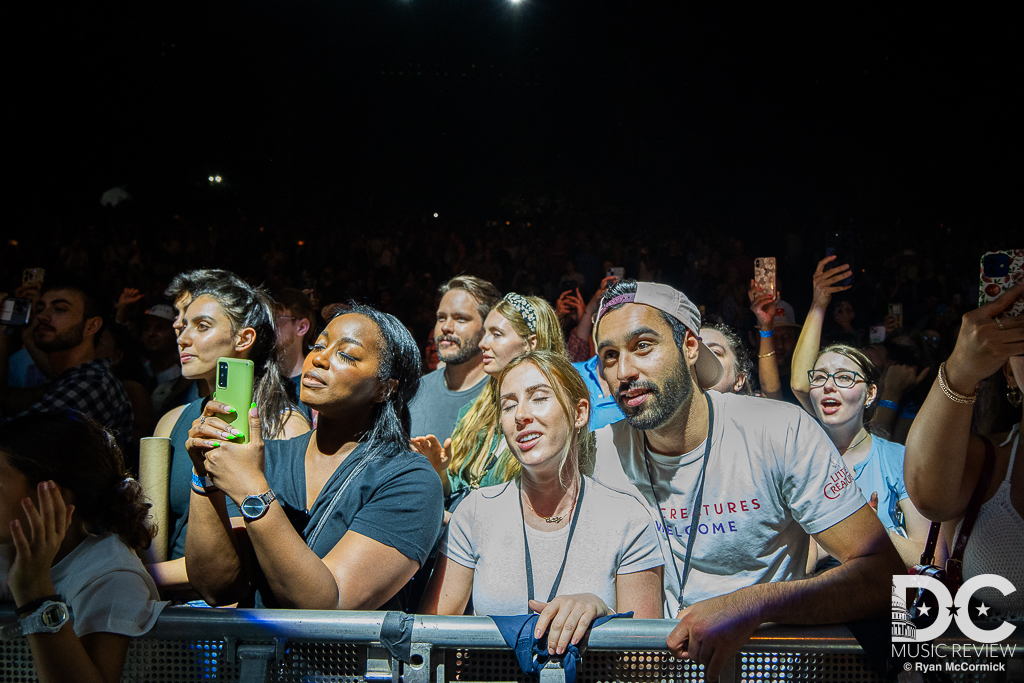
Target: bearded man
(736,486)
(66,324)
(465,302)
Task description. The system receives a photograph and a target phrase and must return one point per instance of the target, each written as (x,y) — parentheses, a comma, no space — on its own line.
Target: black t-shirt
(396,499)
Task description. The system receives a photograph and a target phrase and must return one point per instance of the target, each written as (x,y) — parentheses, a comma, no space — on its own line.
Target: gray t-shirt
(613,536)
(773,477)
(435,409)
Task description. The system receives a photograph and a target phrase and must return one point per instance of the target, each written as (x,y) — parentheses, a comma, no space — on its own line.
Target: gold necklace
(554,519)
(859,442)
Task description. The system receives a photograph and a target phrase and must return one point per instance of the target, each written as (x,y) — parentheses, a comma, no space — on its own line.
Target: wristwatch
(49,618)
(254,507)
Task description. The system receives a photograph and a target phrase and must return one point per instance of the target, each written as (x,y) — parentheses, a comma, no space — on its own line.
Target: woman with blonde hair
(476,456)
(587,551)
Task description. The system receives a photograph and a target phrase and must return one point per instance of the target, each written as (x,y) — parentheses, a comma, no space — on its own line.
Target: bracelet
(767,333)
(891,405)
(765,355)
(202,485)
(952,395)
(32,605)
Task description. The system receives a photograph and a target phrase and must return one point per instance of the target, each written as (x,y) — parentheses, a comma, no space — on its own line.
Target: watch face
(253,506)
(54,615)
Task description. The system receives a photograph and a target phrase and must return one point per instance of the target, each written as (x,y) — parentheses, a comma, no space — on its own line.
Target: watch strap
(32,605)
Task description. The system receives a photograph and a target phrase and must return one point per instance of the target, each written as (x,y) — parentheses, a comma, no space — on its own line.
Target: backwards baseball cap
(161,311)
(673,302)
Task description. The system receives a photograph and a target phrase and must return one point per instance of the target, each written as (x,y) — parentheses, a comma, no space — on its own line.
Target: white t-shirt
(105,584)
(613,536)
(773,477)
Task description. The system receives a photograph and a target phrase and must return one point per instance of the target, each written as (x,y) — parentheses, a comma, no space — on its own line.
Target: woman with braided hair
(475,456)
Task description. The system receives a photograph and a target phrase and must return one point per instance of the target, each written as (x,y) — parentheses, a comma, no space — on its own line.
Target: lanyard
(568,541)
(695,515)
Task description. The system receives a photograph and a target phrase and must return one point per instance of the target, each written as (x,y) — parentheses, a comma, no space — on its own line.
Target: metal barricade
(300,646)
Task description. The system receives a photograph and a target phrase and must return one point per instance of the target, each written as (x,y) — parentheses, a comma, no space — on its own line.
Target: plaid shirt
(92,389)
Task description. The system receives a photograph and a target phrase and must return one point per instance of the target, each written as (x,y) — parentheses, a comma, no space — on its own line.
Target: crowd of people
(707,456)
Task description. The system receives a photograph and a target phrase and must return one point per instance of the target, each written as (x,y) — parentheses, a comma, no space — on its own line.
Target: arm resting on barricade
(711,631)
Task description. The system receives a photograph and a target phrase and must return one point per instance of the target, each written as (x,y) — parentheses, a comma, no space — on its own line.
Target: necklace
(554,519)
(859,442)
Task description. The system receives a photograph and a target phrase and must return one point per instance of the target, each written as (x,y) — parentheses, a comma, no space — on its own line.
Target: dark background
(753,119)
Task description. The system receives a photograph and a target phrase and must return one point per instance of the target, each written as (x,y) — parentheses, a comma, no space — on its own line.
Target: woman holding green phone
(222,317)
(340,518)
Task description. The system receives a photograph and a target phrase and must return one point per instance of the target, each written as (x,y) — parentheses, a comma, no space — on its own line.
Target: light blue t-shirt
(882,472)
(604,410)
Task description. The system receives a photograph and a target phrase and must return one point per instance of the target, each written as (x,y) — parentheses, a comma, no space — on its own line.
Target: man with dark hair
(295,322)
(67,322)
(736,486)
(465,302)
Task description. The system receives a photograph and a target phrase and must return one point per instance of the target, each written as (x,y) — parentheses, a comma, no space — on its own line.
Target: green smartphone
(234,387)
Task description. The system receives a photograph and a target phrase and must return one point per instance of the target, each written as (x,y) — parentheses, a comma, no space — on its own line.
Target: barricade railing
(252,646)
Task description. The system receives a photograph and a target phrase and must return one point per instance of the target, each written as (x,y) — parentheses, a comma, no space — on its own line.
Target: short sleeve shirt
(92,389)
(396,500)
(613,536)
(773,477)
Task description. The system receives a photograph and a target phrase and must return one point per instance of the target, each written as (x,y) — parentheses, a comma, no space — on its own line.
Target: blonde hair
(471,440)
(569,389)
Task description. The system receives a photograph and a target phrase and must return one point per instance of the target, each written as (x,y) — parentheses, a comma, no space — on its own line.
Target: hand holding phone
(840,245)
(234,387)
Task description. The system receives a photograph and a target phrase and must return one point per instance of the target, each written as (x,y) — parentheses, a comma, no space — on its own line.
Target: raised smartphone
(617,272)
(840,245)
(15,310)
(234,387)
(764,273)
(32,275)
(1001,270)
(897,310)
(876,335)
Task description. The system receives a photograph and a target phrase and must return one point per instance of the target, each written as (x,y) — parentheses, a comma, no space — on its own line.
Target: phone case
(234,387)
(764,273)
(1001,270)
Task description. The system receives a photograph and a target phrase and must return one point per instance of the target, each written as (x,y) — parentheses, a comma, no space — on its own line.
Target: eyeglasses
(844,379)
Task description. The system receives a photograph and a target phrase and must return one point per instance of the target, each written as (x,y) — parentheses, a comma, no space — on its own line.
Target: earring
(1014,396)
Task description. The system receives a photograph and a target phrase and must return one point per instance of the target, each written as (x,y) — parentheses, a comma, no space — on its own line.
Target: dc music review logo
(949,608)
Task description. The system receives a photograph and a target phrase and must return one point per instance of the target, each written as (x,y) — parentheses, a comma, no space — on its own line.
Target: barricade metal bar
(463,632)
(292,646)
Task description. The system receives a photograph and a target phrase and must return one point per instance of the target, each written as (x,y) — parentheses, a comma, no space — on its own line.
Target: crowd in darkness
(398,265)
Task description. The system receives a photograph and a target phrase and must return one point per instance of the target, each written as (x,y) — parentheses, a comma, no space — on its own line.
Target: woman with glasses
(839,385)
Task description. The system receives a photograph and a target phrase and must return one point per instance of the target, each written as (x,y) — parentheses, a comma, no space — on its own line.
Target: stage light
(211,179)
(435,215)
(217,178)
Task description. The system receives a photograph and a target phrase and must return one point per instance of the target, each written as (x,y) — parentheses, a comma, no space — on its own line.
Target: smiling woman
(591,551)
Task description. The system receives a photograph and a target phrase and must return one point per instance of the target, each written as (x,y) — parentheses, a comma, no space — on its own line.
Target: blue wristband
(891,405)
(202,484)
(767,333)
